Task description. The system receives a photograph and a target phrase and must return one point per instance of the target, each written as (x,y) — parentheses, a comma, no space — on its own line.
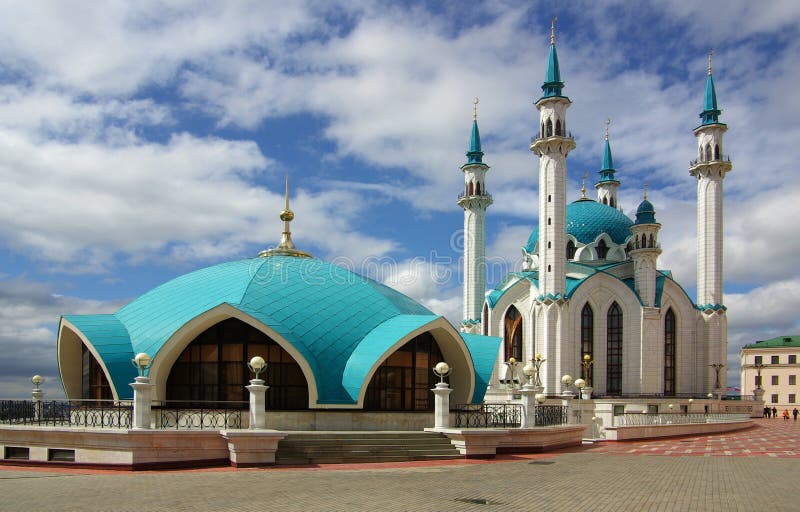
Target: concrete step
(300,448)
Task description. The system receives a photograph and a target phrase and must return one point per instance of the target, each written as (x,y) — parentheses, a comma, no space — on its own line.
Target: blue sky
(141,141)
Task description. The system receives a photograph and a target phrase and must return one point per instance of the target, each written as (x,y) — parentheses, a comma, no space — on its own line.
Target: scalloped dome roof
(587,219)
(646,213)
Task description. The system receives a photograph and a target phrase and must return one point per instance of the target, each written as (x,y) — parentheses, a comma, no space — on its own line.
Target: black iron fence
(67,413)
(549,415)
(488,415)
(195,415)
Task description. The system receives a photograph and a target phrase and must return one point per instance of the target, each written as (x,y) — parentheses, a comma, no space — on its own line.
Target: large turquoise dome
(587,219)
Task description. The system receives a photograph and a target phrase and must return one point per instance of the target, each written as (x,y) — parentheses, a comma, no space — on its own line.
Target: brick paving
(747,470)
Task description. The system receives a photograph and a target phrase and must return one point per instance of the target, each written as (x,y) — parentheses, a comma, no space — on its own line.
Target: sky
(143,140)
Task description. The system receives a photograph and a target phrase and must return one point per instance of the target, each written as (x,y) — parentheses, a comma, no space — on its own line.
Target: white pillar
(566,398)
(442,405)
(258,401)
(528,393)
(142,402)
(37,394)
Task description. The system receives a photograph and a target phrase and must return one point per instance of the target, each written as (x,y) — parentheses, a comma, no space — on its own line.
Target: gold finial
(553,30)
(583,185)
(710,54)
(475,108)
(645,191)
(608,122)
(286,246)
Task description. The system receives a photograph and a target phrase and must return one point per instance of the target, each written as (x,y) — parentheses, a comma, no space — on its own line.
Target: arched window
(652,243)
(587,338)
(605,200)
(94,385)
(708,153)
(403,381)
(541,134)
(213,367)
(611,203)
(570,250)
(602,249)
(471,189)
(485,319)
(716,152)
(644,241)
(614,350)
(478,188)
(558,127)
(669,353)
(548,127)
(512,334)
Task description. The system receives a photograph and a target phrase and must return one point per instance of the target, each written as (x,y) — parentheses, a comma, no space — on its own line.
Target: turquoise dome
(646,213)
(587,219)
(339,321)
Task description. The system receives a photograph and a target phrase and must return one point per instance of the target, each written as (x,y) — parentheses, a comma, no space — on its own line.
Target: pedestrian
(766,412)
(786,415)
(795,413)
(774,412)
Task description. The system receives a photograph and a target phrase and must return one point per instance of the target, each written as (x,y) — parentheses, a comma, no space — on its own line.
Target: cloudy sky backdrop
(142,140)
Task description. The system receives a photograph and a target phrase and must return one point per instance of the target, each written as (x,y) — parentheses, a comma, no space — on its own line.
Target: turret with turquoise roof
(608,184)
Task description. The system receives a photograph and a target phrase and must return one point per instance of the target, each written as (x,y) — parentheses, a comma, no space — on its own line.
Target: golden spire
(608,122)
(710,54)
(553,30)
(475,109)
(583,185)
(286,246)
(645,191)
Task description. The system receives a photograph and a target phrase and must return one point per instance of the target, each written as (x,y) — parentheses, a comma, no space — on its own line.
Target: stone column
(528,393)
(758,394)
(566,398)
(258,401)
(37,394)
(442,405)
(142,390)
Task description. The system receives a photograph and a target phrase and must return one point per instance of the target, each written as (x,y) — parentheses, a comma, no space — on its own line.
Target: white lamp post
(528,399)
(566,393)
(441,392)
(142,390)
(258,394)
(580,384)
(37,394)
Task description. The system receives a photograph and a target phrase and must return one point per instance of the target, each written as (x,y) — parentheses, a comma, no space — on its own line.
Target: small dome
(646,214)
(587,219)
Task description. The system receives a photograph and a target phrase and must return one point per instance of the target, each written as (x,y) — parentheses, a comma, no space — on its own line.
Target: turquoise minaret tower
(552,145)
(474,200)
(710,169)
(608,185)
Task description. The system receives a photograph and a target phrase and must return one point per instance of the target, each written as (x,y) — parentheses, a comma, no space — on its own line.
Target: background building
(776,360)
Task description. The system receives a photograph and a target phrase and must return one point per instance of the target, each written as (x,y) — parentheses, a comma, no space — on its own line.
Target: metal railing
(549,415)
(488,415)
(568,135)
(180,415)
(638,420)
(724,158)
(67,413)
(464,194)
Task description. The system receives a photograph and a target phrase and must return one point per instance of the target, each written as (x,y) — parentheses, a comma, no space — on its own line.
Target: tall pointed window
(512,334)
(548,128)
(614,350)
(485,319)
(558,127)
(716,152)
(570,250)
(587,338)
(669,353)
(602,250)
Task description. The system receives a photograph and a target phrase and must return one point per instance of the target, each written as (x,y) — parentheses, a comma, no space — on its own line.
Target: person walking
(795,413)
(774,412)
(766,412)
(786,415)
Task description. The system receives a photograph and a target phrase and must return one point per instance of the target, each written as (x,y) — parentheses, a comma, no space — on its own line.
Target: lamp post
(581,385)
(528,393)
(442,396)
(566,394)
(689,407)
(511,371)
(37,394)
(710,397)
(537,362)
(258,394)
(717,368)
(587,363)
(540,398)
(142,390)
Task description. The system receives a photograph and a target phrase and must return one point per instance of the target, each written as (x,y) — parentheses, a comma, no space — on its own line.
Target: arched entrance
(213,367)
(512,334)
(94,384)
(404,380)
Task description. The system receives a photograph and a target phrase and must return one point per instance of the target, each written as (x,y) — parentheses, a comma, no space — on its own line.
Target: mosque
(333,339)
(590,299)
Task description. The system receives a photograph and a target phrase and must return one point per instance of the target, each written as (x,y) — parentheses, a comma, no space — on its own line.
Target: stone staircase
(301,448)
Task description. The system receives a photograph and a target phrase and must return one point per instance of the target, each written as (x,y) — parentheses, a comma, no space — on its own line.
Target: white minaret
(474,200)
(551,335)
(552,146)
(710,169)
(608,185)
(645,252)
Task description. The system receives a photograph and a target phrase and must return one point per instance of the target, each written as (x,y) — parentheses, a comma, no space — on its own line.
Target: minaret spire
(552,79)
(608,184)
(286,246)
(474,200)
(711,112)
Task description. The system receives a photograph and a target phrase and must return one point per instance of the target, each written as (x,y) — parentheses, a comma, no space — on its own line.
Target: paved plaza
(755,469)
